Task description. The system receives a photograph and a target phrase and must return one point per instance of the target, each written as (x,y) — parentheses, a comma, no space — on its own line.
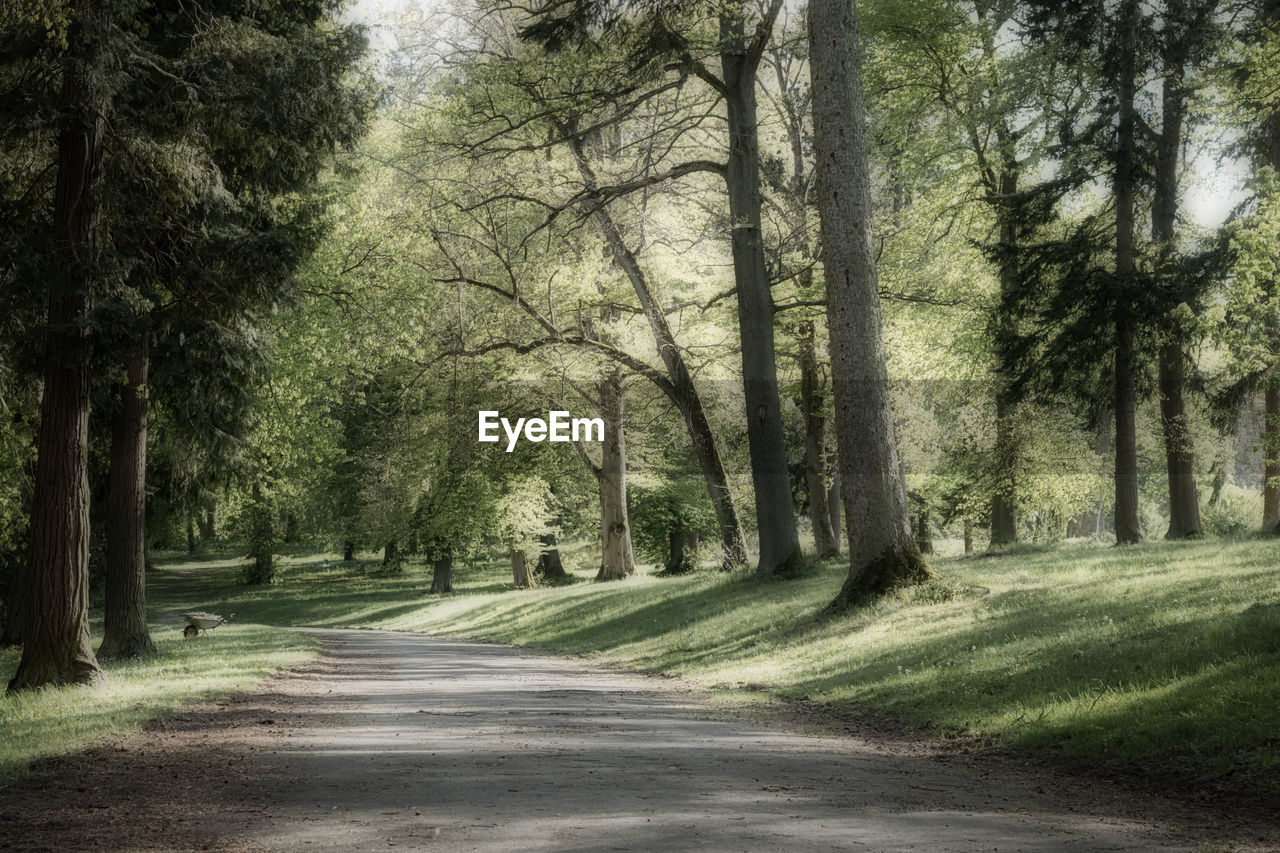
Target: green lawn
(1164,655)
(57,721)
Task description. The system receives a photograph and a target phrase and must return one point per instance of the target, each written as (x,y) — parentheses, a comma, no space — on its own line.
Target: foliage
(1236,512)
(524,515)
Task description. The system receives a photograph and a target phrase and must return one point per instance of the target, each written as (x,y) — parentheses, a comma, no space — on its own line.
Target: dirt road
(405,741)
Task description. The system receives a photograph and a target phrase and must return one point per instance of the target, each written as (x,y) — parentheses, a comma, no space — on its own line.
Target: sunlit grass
(1164,654)
(55,721)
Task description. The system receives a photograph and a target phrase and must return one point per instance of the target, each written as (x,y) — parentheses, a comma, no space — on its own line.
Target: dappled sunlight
(487,747)
(52,721)
(1033,649)
(1088,651)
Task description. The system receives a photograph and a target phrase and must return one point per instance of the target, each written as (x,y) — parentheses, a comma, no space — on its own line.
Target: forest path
(413,741)
(395,741)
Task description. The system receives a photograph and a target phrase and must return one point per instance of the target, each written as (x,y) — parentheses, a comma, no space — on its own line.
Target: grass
(1163,656)
(43,723)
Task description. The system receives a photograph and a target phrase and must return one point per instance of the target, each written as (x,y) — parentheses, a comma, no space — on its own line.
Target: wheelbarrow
(198,621)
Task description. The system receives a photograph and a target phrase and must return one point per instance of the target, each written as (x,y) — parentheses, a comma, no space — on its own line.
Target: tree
(617,560)
(1187,32)
(56,648)
(740,48)
(1250,328)
(881,550)
(515,106)
(125,632)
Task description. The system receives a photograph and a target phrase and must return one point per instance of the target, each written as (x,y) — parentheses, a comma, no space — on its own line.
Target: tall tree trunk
(204,521)
(262,537)
(521,576)
(680,389)
(550,566)
(391,553)
(1001,182)
(1271,457)
(815,458)
(1271,422)
(834,505)
(1101,447)
(616,561)
(1004,524)
(124,622)
(1128,526)
(57,648)
(882,554)
(191,531)
(628,544)
(924,532)
(348,551)
(1180,460)
(1179,448)
(442,572)
(775,515)
(678,561)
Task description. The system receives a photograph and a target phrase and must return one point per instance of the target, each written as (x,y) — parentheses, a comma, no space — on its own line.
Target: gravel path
(418,742)
(404,741)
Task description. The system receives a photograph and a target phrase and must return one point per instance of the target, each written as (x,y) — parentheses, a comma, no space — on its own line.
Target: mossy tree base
(261,571)
(133,647)
(794,564)
(57,670)
(896,567)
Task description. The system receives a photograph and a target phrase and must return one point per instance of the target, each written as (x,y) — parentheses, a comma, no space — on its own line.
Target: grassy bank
(1164,655)
(51,722)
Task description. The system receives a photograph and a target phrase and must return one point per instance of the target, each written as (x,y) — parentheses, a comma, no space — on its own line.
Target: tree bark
(882,554)
(125,632)
(775,515)
(191,531)
(391,553)
(442,572)
(815,458)
(682,391)
(1271,456)
(550,566)
(616,561)
(1128,526)
(677,554)
(57,647)
(1179,448)
(924,532)
(1271,422)
(1004,524)
(1001,181)
(204,521)
(1180,460)
(520,574)
(835,507)
(262,535)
